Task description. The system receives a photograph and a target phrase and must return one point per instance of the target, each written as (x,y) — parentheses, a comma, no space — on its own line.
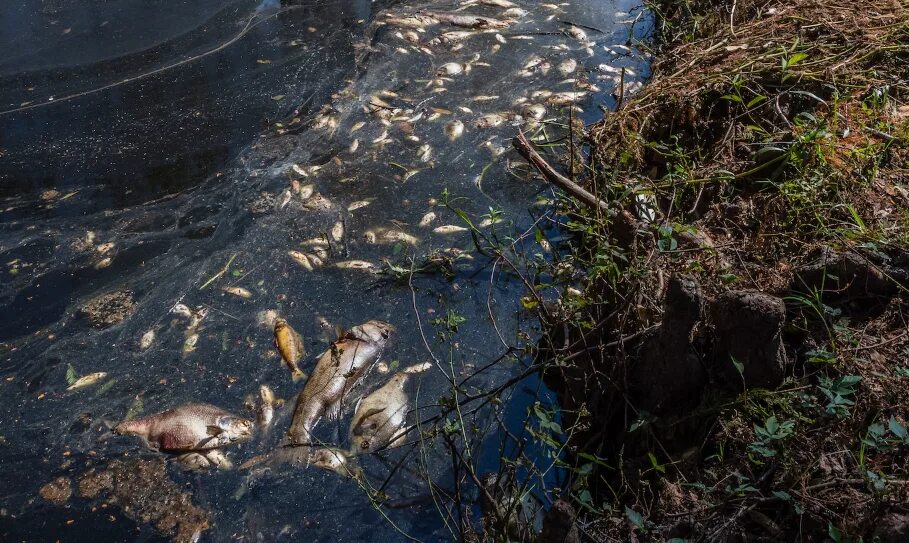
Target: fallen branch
(527,151)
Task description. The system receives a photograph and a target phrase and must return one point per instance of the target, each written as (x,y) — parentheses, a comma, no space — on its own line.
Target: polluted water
(207,208)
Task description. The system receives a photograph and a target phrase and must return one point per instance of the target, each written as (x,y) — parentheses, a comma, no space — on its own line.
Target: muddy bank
(731,362)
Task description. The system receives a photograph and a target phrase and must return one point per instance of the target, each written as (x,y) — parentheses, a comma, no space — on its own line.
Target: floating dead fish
(427,219)
(389,235)
(576,33)
(146,340)
(290,344)
(87,380)
(103,263)
(354,145)
(181,309)
(337,371)
(337,231)
(534,111)
(451,38)
(454,130)
(468,21)
(301,259)
(214,458)
(560,99)
(498,3)
(265,411)
(355,265)
(189,427)
(515,13)
(449,229)
(359,204)
(453,68)
(356,126)
(306,191)
(238,291)
(189,344)
(267,318)
(412,21)
(485,98)
(379,417)
(105,248)
(424,152)
(568,66)
(336,460)
(490,120)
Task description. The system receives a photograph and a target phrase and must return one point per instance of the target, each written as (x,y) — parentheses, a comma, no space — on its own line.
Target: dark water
(155,185)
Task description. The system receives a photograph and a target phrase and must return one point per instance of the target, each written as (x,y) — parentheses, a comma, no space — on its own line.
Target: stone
(747,328)
(108,309)
(845,273)
(559,524)
(57,491)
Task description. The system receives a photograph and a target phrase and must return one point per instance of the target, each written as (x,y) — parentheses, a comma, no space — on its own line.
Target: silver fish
(189,427)
(379,417)
(338,370)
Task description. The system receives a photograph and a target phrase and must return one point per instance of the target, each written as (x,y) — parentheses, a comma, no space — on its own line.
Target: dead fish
(379,417)
(238,291)
(337,371)
(87,380)
(355,265)
(301,259)
(515,13)
(354,145)
(467,21)
(306,191)
(337,231)
(205,460)
(265,409)
(356,126)
(534,111)
(449,229)
(451,38)
(189,344)
(498,3)
(389,235)
(290,345)
(453,68)
(359,204)
(336,460)
(412,21)
(146,340)
(490,120)
(577,33)
(189,427)
(560,99)
(568,66)
(267,318)
(454,130)
(424,152)
(427,219)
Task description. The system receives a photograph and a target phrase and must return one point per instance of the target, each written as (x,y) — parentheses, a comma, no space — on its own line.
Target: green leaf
(134,409)
(634,517)
(782,495)
(739,366)
(795,59)
(656,465)
(732,98)
(71,376)
(755,101)
(105,387)
(898,429)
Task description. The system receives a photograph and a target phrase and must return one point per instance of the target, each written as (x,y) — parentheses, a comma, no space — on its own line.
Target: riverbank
(732,365)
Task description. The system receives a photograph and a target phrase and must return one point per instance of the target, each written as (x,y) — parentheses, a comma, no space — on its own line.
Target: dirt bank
(733,365)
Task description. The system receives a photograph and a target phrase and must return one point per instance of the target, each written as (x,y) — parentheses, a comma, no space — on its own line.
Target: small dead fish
(214,458)
(453,68)
(427,219)
(468,21)
(535,111)
(355,265)
(490,120)
(182,309)
(356,126)
(285,199)
(425,152)
(265,411)
(577,33)
(454,130)
(301,259)
(290,345)
(189,345)
(337,231)
(306,191)
(354,145)
(359,204)
(560,99)
(87,380)
(568,66)
(238,291)
(336,460)
(146,340)
(389,235)
(449,229)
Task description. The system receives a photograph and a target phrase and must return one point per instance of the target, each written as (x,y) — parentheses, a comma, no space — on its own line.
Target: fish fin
(297,375)
(214,430)
(333,411)
(372,411)
(339,332)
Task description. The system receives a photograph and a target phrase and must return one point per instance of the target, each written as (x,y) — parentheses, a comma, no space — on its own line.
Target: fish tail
(296,374)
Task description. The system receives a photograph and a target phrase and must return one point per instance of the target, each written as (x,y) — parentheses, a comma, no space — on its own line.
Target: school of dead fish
(197,433)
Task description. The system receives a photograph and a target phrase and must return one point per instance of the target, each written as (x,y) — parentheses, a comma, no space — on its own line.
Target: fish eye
(364,444)
(373,426)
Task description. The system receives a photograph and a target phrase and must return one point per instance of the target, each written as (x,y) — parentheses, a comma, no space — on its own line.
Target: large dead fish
(466,20)
(379,417)
(189,427)
(338,370)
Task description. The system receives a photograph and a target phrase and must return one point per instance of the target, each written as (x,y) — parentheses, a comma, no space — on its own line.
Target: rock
(667,375)
(893,528)
(845,274)
(109,308)
(143,492)
(57,491)
(747,326)
(559,524)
